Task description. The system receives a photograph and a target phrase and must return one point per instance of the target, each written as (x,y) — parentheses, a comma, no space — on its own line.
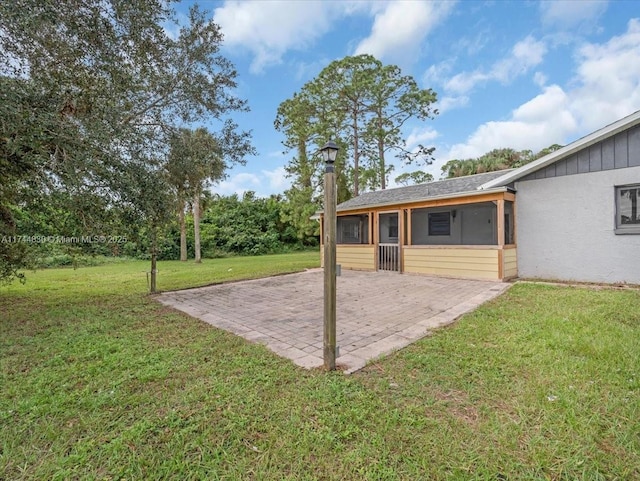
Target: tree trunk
(183,231)
(154,269)
(356,156)
(382,167)
(196,225)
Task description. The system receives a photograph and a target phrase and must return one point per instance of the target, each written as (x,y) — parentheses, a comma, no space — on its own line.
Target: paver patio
(377,313)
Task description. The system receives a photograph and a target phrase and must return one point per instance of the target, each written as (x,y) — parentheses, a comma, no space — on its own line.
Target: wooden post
(500,215)
(154,257)
(409,225)
(401,240)
(329,267)
(513,222)
(500,219)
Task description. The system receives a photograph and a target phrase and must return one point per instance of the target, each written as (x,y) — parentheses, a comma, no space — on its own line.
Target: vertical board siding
(618,152)
(357,257)
(634,147)
(561,168)
(583,161)
(469,263)
(608,155)
(595,158)
(572,165)
(621,159)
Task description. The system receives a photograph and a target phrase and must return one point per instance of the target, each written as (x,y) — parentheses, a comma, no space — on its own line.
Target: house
(449,228)
(577,208)
(571,215)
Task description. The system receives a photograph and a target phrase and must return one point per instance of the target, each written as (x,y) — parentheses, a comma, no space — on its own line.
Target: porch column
(372,239)
(401,239)
(500,215)
(500,223)
(376,238)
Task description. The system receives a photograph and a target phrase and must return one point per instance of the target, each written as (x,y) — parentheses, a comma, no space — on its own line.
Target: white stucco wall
(565,229)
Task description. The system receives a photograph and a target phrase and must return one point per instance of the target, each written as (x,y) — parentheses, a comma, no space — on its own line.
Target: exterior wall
(566,226)
(358,257)
(476,263)
(510,260)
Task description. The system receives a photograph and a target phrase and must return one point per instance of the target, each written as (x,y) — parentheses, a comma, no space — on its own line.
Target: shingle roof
(415,193)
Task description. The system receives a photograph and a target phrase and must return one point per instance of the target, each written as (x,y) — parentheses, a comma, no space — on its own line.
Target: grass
(98,381)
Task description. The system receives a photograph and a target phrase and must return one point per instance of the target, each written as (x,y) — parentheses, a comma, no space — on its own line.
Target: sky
(523,74)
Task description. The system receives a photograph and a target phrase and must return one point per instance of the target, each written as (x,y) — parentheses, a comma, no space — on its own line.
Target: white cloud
(472,45)
(566,14)
(539,79)
(277,179)
(237,184)
(449,103)
(438,73)
(421,136)
(399,29)
(605,87)
(269,29)
(264,184)
(608,79)
(544,120)
(524,55)
(542,107)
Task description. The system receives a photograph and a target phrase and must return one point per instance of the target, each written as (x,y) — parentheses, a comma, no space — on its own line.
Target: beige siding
(360,257)
(510,263)
(466,262)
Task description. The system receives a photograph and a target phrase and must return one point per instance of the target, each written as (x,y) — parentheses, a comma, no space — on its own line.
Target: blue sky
(524,74)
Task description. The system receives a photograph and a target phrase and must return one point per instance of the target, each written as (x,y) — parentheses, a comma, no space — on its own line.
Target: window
(439,223)
(352,229)
(508,223)
(393,226)
(627,214)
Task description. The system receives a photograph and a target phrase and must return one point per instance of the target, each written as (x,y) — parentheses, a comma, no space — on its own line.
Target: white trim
(588,140)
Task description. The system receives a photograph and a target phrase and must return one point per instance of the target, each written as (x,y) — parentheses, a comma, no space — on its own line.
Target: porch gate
(388,257)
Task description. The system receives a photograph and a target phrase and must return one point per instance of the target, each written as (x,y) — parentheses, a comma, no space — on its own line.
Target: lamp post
(329,152)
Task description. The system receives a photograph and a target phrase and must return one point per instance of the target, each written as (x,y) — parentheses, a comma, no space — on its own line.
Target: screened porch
(471,236)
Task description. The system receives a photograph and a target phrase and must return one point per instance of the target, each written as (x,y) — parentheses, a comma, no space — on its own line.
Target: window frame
(432,215)
(350,232)
(621,228)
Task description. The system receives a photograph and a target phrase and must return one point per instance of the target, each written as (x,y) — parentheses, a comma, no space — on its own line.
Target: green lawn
(98,381)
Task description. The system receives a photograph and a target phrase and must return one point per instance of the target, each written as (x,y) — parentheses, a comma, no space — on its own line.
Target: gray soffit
(593,138)
(415,193)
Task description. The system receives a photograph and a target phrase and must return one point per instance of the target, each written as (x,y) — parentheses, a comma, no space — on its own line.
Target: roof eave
(586,141)
(426,199)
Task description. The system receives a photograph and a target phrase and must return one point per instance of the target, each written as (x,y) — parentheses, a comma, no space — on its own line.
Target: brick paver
(378,312)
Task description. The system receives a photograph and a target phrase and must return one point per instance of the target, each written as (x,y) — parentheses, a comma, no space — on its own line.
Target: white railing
(388,257)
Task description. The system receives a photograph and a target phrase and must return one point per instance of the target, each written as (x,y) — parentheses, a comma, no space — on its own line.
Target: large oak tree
(91,92)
